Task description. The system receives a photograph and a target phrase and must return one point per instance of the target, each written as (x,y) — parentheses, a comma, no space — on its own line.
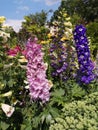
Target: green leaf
(77,91)
(28,128)
(43,118)
(54,112)
(4,125)
(23,127)
(10,83)
(1,65)
(58,92)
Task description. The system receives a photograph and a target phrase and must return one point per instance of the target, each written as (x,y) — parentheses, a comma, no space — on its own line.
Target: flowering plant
(28,98)
(62,51)
(3,35)
(36,72)
(86,66)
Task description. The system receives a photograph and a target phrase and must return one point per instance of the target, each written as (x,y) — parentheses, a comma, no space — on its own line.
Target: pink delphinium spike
(36,72)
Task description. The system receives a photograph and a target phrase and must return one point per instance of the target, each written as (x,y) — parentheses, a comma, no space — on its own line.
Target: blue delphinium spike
(86,66)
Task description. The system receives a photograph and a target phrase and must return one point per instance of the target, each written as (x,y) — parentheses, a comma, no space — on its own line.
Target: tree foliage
(34,24)
(86,9)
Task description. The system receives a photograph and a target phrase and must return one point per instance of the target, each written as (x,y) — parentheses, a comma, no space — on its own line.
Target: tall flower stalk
(86,66)
(61,48)
(36,72)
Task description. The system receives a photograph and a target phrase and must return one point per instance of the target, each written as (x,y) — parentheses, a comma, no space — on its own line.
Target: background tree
(86,9)
(34,24)
(13,40)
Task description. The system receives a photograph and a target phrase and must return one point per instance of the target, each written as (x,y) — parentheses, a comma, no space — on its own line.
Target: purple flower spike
(83,54)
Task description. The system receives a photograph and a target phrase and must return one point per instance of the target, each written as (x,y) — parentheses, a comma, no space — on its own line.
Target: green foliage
(68,107)
(14,84)
(78,115)
(86,9)
(82,12)
(34,24)
(68,92)
(3,125)
(12,77)
(93,34)
(38,116)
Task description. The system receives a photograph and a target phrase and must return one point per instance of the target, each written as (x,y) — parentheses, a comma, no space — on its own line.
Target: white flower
(50,83)
(73,48)
(8,110)
(26,82)
(46,66)
(69,30)
(53,30)
(4,35)
(23,66)
(23,60)
(8,65)
(7,94)
(27,87)
(68,18)
(11,57)
(67,34)
(68,24)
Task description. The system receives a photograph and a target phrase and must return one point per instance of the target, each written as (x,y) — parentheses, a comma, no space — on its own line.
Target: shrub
(78,115)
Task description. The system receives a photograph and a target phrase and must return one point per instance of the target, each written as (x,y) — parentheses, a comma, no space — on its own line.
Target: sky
(15,10)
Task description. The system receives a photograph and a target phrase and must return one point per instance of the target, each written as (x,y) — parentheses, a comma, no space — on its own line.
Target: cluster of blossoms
(61,51)
(57,52)
(62,60)
(39,86)
(3,35)
(86,66)
(14,51)
(58,57)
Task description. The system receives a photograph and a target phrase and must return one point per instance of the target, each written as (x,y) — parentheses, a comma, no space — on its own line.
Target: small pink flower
(23,52)
(14,51)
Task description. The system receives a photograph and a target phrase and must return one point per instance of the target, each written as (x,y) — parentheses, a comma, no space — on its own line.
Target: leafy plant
(78,115)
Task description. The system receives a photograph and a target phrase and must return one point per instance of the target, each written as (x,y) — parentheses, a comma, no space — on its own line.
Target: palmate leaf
(58,93)
(58,97)
(73,90)
(77,91)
